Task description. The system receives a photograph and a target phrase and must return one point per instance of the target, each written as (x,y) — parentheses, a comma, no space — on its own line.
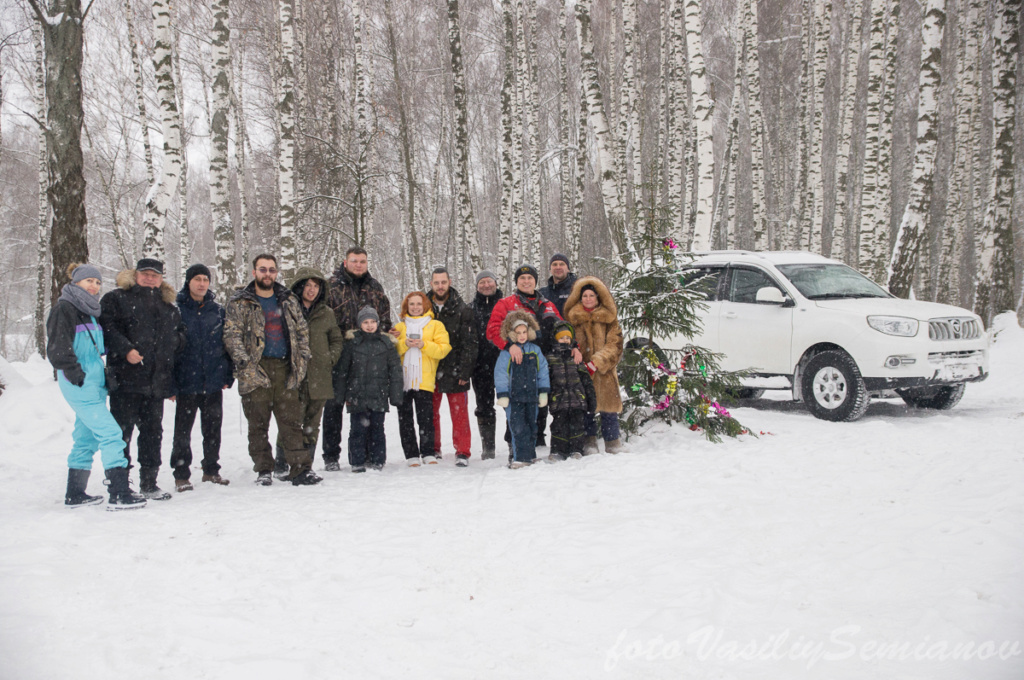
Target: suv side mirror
(769,296)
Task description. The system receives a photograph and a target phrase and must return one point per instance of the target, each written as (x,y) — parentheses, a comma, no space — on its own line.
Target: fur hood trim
(515,315)
(126,279)
(606,310)
(351,335)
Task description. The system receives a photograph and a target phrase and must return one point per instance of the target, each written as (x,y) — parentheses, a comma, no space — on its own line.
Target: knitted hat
(485,274)
(564,329)
(367,313)
(150,264)
(85,271)
(524,271)
(587,287)
(195,270)
(558,256)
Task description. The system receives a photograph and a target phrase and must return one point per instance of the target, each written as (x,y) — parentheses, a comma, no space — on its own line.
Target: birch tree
(847,103)
(614,209)
(467,227)
(286,136)
(703,114)
(140,91)
(65,190)
(162,192)
(42,255)
(814,206)
(506,227)
(677,115)
(902,264)
(993,286)
(220,197)
(752,77)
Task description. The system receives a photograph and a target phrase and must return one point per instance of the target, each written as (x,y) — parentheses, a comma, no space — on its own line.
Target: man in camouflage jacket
(268,340)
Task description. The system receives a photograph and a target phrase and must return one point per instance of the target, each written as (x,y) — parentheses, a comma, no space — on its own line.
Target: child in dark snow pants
(521,387)
(572,396)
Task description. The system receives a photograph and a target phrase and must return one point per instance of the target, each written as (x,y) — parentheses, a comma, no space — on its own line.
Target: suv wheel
(941,398)
(833,388)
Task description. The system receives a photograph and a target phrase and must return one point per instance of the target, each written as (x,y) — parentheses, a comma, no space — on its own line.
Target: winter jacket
(458,320)
(70,334)
(486,352)
(571,386)
(369,374)
(521,382)
(325,338)
(204,366)
(542,309)
(435,347)
(146,320)
(600,340)
(244,337)
(558,293)
(349,294)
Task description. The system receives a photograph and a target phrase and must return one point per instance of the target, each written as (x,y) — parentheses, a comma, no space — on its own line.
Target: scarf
(81,300)
(412,362)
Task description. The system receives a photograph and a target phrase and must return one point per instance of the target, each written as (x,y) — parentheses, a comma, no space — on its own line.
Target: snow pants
(146,413)
(423,402)
(211,415)
(609,426)
(568,431)
(522,421)
(458,405)
(286,408)
(334,411)
(95,428)
(366,442)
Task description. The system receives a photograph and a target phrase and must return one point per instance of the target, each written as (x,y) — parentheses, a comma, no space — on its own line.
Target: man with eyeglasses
(268,340)
(351,288)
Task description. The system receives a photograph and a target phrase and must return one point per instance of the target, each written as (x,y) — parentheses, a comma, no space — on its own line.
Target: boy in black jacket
(572,396)
(368,376)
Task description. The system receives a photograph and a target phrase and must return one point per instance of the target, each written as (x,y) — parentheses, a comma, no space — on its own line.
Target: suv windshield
(824,281)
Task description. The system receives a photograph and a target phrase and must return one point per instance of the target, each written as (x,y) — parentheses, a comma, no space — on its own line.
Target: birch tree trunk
(184,240)
(847,105)
(241,170)
(220,196)
(703,115)
(140,93)
(467,226)
(508,95)
(613,206)
(752,72)
(162,192)
(632,86)
(286,137)
(43,215)
(65,191)
(518,150)
(532,113)
(564,168)
(677,114)
(902,264)
(993,286)
(814,207)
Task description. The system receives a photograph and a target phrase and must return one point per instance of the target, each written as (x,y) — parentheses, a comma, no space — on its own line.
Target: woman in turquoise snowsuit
(75,349)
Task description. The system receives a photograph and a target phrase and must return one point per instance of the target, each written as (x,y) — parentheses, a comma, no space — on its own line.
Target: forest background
(486,133)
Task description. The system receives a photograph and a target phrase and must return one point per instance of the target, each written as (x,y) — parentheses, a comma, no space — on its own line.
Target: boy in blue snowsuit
(522,387)
(75,349)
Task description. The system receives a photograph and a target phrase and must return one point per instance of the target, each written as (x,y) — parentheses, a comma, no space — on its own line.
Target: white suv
(835,335)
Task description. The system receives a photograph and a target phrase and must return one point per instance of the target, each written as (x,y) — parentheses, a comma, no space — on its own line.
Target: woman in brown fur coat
(592,312)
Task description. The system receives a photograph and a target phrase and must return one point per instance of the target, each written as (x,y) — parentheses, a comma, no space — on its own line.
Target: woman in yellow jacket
(422,343)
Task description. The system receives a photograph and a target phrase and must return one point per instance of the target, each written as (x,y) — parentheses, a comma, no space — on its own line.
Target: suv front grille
(954,328)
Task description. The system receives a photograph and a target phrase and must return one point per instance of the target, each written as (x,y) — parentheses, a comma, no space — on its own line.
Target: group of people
(306,352)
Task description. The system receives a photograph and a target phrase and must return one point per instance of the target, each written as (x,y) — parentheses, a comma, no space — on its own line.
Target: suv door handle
(730,315)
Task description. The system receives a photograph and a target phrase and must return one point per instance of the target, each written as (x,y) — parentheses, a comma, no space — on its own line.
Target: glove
(502,402)
(542,400)
(591,368)
(75,375)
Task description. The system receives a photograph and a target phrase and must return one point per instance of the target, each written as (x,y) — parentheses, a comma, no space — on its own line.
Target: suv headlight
(894,325)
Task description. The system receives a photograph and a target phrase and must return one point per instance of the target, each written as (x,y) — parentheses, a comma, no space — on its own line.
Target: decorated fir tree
(657,301)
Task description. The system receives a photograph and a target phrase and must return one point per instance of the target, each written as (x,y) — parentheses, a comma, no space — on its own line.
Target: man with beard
(268,340)
(351,288)
(455,370)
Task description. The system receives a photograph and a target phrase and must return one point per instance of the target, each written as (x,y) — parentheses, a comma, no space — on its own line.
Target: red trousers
(458,405)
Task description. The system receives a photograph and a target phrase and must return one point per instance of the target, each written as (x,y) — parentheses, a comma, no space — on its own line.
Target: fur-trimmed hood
(351,335)
(516,315)
(126,279)
(606,310)
(303,274)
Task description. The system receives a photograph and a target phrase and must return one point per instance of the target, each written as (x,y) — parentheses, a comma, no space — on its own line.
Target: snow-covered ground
(892,547)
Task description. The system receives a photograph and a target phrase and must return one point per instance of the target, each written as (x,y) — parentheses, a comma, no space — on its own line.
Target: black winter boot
(486,426)
(76,496)
(121,495)
(280,464)
(148,487)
